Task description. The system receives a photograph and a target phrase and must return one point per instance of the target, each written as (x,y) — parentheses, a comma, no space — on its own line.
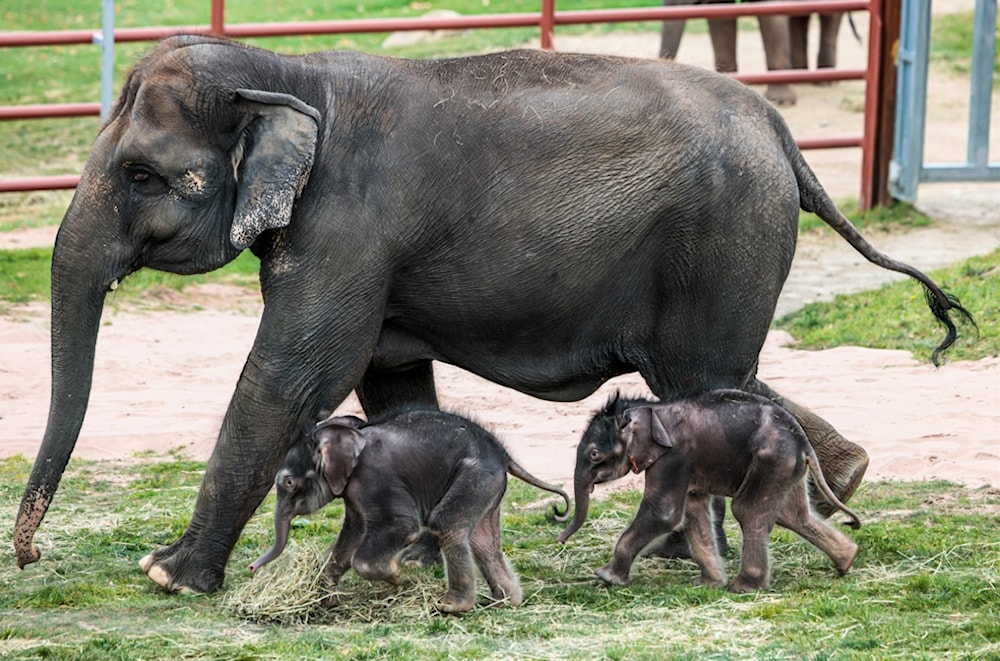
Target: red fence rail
(546,20)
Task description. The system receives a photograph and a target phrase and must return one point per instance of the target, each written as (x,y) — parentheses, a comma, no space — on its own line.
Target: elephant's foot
(780,95)
(424,552)
(455,601)
(845,559)
(710,581)
(610,576)
(173,569)
(742,584)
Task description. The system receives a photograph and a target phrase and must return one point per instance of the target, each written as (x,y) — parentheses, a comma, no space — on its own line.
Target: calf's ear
(649,440)
(338,452)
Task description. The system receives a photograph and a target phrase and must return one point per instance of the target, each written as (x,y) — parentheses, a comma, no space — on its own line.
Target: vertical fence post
(911,99)
(886,103)
(218,28)
(983,45)
(872,87)
(548,24)
(106,40)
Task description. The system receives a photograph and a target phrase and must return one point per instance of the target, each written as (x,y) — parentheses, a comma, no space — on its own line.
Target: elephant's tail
(813,197)
(812,461)
(520,473)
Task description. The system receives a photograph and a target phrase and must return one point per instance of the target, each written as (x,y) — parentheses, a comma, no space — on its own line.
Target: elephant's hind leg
(797,517)
(488,552)
(843,463)
(459,569)
(474,492)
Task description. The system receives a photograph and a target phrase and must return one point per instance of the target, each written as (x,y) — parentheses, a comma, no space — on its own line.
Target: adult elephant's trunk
(282,523)
(581,492)
(84,267)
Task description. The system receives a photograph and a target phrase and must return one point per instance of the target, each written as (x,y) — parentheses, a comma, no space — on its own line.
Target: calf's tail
(520,473)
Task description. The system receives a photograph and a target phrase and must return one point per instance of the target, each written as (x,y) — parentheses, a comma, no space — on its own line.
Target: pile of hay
(293,591)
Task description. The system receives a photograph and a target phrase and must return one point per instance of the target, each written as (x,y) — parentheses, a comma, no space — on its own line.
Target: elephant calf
(719,443)
(416,469)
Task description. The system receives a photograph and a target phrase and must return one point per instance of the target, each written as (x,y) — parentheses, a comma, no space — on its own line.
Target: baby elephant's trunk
(282,523)
(581,491)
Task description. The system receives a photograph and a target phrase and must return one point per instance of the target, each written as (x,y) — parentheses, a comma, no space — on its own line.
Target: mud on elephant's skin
(718,443)
(417,469)
(399,216)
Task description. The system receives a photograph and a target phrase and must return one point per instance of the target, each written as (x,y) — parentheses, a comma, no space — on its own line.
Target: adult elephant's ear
(272,162)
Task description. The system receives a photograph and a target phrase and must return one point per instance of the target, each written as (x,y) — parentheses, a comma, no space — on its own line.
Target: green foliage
(860,319)
(951,43)
(925,584)
(24,276)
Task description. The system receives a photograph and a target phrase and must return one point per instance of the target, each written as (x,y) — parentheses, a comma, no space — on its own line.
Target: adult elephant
(546,221)
(774,31)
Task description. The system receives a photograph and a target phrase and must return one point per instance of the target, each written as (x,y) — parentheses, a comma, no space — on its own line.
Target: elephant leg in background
(829,30)
(675,545)
(670,38)
(382,391)
(843,463)
(777,50)
(798,38)
(773,30)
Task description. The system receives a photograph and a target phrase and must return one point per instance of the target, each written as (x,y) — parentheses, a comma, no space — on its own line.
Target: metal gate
(907,168)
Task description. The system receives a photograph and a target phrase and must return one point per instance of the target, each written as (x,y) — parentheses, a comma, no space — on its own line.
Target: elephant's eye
(145,180)
(291,484)
(595,454)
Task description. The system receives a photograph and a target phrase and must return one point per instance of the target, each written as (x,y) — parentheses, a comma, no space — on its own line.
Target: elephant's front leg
(658,515)
(343,550)
(255,434)
(287,380)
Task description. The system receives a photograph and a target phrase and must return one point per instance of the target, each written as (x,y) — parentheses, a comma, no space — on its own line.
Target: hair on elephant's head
(189,169)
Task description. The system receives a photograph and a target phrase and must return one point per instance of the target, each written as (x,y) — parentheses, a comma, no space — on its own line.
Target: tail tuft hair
(940,311)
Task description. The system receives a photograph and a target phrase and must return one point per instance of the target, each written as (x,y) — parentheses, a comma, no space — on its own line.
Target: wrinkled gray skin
(414,470)
(718,443)
(774,32)
(544,220)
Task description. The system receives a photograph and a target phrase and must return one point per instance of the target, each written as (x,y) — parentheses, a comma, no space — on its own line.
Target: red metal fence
(546,20)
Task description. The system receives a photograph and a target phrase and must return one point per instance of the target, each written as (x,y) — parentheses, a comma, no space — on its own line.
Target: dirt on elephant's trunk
(581,492)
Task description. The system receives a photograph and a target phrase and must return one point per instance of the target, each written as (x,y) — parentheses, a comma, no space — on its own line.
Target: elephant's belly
(541,368)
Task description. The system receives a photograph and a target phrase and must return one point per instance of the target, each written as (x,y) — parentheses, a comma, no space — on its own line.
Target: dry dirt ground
(163,378)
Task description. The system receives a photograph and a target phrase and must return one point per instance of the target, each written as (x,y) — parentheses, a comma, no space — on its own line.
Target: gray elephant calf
(719,443)
(420,468)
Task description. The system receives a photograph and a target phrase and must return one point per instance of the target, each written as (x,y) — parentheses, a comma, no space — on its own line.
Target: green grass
(925,585)
(24,277)
(895,316)
(951,39)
